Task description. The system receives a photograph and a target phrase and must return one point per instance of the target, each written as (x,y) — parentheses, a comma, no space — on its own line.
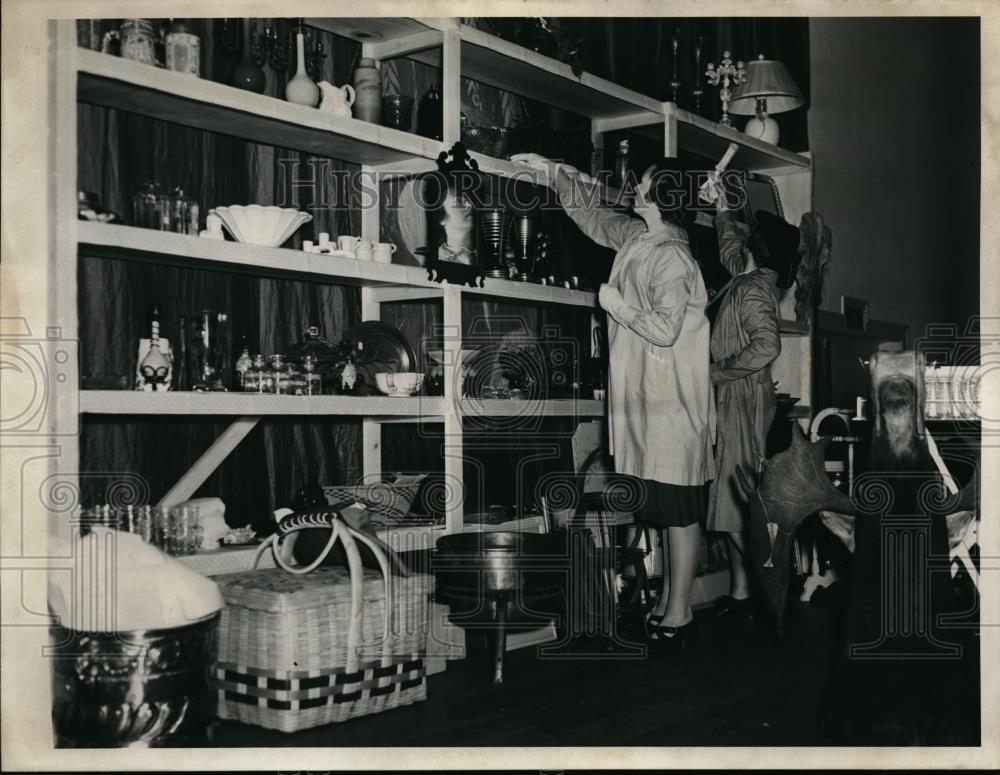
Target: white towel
(120,583)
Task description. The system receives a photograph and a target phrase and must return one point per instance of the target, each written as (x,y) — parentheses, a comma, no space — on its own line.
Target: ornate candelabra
(726,75)
(279,48)
(675,82)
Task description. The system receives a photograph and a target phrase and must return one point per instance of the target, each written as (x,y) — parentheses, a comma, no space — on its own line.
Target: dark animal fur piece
(901,678)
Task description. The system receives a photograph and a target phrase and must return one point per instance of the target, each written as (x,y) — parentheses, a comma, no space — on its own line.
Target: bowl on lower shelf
(405,383)
(269,226)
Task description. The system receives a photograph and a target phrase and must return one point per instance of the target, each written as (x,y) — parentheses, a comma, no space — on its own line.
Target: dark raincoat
(745,341)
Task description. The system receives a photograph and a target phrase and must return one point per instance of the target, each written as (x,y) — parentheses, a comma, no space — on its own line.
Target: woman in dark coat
(745,341)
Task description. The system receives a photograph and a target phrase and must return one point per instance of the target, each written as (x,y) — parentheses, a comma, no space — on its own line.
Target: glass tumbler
(145,524)
(126,518)
(185,531)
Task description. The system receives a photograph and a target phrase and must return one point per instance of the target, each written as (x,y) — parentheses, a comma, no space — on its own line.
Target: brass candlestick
(675,82)
(697,92)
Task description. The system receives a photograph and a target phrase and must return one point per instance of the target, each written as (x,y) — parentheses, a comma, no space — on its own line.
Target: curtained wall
(118,152)
(896,148)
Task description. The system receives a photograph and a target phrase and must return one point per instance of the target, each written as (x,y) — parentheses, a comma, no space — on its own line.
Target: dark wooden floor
(737,686)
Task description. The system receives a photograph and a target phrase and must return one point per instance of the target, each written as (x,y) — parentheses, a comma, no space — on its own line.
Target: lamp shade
(770,79)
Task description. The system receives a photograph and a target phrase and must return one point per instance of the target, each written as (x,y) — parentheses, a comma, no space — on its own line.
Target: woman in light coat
(661,413)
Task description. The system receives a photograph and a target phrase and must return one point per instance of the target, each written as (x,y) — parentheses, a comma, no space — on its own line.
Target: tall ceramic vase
(301,88)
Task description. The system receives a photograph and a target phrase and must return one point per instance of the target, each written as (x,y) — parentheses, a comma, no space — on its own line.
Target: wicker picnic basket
(300,647)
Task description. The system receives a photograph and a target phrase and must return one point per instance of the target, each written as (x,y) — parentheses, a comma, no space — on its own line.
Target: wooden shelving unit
(460,51)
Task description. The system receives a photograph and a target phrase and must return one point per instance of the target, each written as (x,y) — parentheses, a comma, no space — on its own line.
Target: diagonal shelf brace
(203,468)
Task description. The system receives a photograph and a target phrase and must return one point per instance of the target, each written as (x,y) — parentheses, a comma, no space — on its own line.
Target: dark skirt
(673,505)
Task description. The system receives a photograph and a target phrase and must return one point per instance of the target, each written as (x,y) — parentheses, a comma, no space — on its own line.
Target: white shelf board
(428,408)
(132,243)
(372,29)
(131,402)
(196,102)
(559,407)
(508,66)
(708,139)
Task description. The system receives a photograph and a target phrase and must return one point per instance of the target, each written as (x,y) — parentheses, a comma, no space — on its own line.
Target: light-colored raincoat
(661,413)
(745,341)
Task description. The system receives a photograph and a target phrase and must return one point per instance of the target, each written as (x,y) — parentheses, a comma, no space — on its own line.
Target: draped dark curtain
(119,151)
(637,52)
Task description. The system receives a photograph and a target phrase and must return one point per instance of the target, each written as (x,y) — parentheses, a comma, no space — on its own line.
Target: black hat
(782,242)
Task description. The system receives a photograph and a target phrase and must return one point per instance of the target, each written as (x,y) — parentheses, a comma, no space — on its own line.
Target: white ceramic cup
(348,243)
(364,250)
(382,252)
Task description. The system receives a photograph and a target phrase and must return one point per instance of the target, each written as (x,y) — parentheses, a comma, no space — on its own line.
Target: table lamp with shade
(768,89)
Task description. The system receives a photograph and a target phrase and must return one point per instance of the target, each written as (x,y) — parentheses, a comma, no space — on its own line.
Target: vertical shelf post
(670,135)
(370,209)
(61,315)
(451,86)
(453,442)
(371,429)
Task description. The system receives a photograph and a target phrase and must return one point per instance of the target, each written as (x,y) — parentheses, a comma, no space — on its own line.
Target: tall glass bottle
(243,365)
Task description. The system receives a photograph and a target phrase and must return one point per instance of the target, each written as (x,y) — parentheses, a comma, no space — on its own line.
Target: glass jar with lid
(279,375)
(183,212)
(268,378)
(150,207)
(183,48)
(313,382)
(296,380)
(255,375)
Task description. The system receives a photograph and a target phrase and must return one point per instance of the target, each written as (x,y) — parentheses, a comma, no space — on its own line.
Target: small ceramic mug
(348,243)
(382,253)
(364,252)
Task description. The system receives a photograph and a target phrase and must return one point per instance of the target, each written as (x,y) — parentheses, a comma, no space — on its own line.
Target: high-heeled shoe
(669,637)
(653,620)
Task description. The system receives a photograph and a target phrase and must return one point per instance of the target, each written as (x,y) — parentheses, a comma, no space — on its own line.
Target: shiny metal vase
(526,241)
(494,223)
(139,689)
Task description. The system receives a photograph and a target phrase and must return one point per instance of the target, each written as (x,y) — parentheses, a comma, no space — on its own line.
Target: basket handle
(281,544)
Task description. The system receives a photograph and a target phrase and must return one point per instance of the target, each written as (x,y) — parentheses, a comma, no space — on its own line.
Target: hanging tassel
(772,534)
